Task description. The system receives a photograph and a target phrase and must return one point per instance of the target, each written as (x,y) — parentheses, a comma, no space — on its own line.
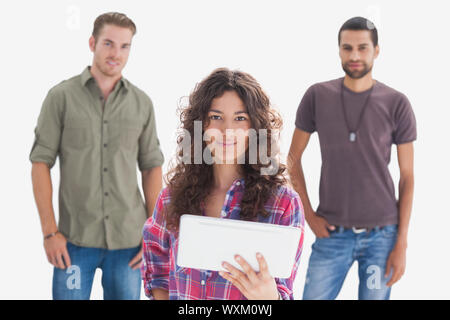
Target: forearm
(42,189)
(406,191)
(299,184)
(160,294)
(151,186)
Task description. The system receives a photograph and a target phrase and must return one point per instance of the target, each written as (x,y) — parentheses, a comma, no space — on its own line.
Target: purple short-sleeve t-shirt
(356,188)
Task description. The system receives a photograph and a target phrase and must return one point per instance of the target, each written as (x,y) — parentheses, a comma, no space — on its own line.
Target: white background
(286,45)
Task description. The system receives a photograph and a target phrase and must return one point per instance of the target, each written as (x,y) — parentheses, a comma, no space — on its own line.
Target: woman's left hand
(254,286)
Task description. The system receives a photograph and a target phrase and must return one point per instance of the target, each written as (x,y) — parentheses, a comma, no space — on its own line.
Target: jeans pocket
(389,231)
(71,248)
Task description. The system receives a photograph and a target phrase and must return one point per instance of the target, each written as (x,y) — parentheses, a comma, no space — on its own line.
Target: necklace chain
(352,133)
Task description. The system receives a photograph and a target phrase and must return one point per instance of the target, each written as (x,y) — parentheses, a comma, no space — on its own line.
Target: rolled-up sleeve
(294,217)
(48,130)
(150,154)
(156,251)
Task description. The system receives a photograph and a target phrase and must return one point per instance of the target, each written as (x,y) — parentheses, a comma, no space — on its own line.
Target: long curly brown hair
(189,184)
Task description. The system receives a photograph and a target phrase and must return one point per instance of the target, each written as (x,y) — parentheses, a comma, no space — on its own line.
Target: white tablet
(205,242)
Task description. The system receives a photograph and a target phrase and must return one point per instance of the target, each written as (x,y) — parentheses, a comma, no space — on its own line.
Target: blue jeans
(119,281)
(332,257)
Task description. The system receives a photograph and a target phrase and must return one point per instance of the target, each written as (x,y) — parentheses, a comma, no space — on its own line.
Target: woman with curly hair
(224,174)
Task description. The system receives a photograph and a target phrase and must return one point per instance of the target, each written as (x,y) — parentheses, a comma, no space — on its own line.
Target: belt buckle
(358,230)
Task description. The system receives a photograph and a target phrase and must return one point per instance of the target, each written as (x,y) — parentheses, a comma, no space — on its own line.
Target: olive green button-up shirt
(99,144)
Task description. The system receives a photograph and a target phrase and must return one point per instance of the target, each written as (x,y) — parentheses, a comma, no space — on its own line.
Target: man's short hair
(114,18)
(360,23)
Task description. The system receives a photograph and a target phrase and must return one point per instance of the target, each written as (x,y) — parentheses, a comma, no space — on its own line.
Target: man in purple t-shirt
(358,218)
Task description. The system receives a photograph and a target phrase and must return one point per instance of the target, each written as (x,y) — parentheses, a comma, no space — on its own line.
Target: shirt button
(105,169)
(106,193)
(105,121)
(106,217)
(203,282)
(105,145)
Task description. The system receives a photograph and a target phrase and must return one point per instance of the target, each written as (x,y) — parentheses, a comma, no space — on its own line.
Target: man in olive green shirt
(101,126)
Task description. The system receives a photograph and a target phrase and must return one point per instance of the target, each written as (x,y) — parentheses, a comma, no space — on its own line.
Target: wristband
(50,235)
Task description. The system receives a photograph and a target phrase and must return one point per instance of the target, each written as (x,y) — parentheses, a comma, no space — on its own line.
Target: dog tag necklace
(352,131)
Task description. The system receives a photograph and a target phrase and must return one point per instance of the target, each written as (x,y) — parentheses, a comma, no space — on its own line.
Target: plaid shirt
(160,270)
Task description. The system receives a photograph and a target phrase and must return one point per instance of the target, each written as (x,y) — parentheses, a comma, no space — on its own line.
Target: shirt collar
(86,75)
(238,182)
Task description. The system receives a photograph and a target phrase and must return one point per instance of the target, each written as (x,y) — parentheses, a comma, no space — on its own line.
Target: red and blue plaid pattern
(159,269)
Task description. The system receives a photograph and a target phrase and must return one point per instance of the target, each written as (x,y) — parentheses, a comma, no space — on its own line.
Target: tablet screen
(205,242)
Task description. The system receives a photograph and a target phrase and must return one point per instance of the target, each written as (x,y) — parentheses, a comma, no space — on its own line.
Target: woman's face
(227,131)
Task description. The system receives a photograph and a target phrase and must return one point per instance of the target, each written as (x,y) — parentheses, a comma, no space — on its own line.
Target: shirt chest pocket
(125,133)
(77,133)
